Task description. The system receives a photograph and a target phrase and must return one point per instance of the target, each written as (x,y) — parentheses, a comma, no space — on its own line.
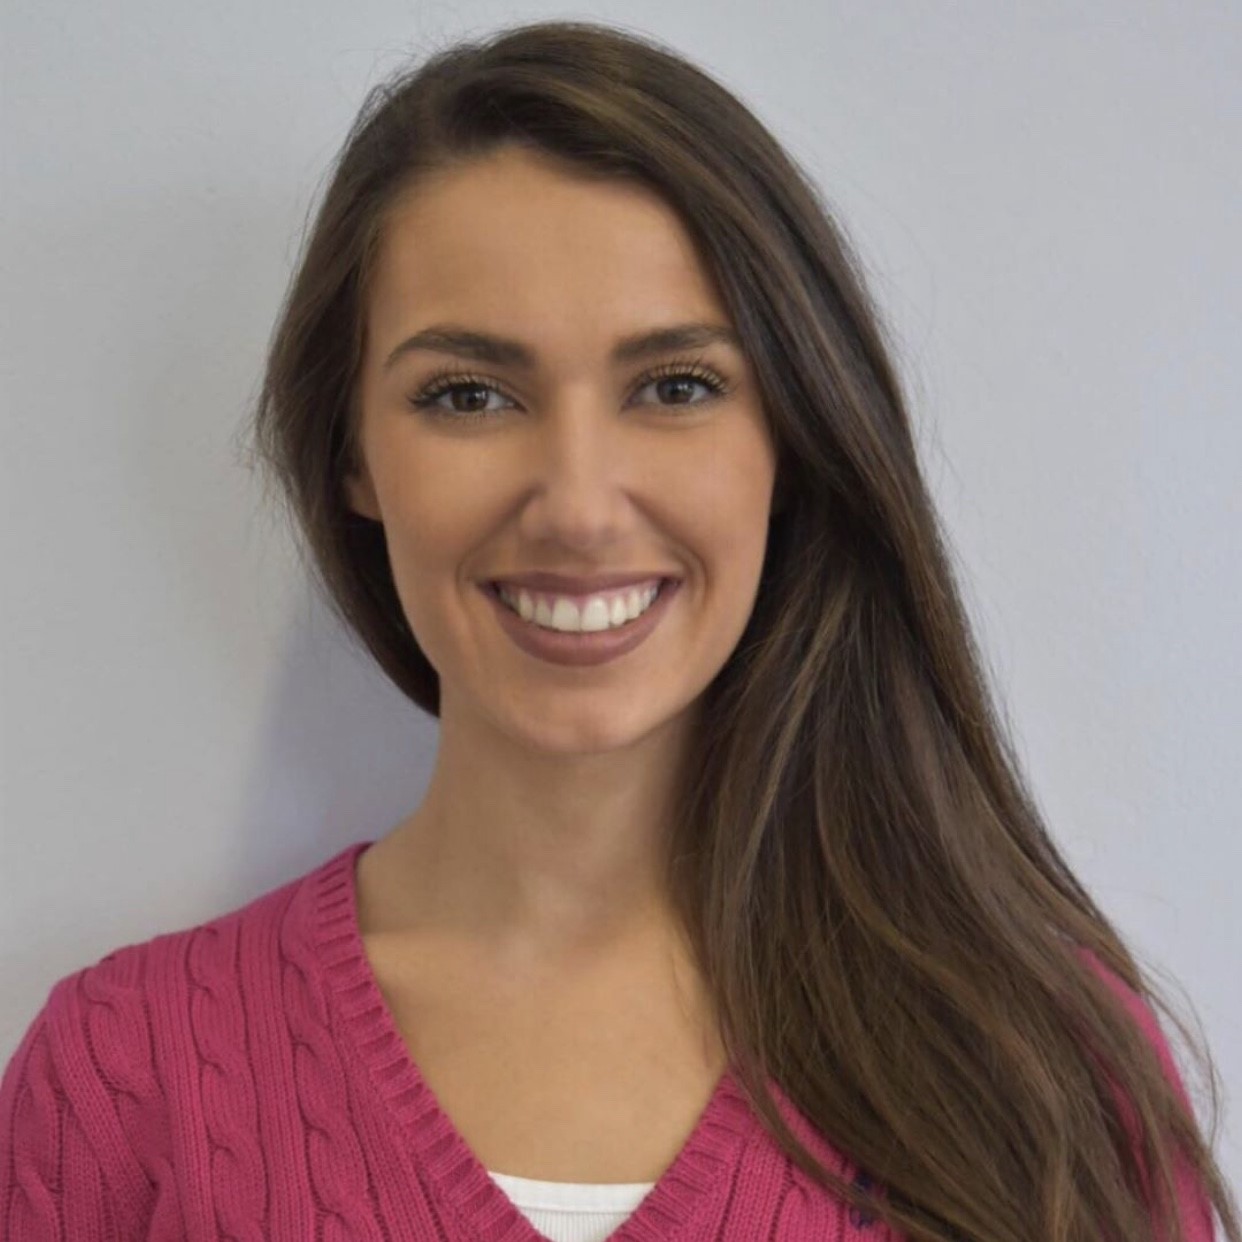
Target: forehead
(526,244)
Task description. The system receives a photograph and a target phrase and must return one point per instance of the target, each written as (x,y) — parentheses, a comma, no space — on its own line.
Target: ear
(360,493)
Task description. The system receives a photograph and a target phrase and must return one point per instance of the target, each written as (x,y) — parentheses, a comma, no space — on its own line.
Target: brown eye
(674,384)
(474,397)
(678,388)
(468,397)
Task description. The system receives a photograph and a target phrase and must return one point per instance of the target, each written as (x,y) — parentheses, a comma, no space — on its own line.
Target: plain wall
(1046,197)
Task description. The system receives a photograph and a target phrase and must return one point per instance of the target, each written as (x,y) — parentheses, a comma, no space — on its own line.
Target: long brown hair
(885,924)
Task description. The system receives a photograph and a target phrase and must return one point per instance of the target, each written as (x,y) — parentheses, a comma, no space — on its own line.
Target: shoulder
(119,999)
(113,1039)
(1190,1199)
(1140,1012)
(140,1066)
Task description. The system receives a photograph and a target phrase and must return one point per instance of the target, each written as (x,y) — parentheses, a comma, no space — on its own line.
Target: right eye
(449,386)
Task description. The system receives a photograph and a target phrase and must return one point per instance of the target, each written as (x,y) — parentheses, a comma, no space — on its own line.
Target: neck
(545,854)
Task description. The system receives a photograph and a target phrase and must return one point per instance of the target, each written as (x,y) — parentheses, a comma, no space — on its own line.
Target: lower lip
(594,648)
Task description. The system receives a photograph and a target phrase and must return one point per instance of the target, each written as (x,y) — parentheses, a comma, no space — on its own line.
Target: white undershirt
(573,1211)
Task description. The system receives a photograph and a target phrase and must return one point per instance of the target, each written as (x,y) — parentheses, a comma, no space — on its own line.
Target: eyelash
(448,381)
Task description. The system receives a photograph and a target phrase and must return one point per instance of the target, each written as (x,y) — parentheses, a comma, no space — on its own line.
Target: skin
(536,849)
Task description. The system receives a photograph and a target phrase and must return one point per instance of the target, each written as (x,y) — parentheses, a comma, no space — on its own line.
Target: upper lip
(569,585)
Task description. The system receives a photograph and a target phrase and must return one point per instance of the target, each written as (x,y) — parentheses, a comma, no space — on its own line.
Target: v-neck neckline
(457,1176)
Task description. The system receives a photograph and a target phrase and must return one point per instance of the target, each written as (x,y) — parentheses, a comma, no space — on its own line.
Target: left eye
(680,382)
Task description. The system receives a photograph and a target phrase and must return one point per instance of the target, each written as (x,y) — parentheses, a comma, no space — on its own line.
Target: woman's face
(574,461)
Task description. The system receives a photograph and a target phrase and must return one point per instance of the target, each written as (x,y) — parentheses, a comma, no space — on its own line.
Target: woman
(727,913)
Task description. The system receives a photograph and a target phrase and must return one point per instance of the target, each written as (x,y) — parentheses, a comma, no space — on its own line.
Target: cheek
(427,526)
(429,499)
(732,491)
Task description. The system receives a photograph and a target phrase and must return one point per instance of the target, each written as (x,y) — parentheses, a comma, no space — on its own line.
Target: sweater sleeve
(58,1182)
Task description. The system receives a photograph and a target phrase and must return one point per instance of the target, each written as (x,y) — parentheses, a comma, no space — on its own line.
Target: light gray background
(1047,198)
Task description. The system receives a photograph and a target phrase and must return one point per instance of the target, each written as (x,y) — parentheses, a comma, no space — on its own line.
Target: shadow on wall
(336,754)
(196,728)
(342,756)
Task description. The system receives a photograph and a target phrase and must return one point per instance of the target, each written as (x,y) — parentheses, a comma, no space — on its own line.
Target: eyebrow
(503,352)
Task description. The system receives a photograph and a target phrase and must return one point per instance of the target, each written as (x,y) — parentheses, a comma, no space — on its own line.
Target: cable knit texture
(244,1079)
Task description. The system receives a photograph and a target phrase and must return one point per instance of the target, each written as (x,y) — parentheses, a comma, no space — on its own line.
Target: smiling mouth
(576,647)
(565,615)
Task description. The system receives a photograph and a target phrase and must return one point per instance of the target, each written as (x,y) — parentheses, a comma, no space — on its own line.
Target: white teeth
(599,613)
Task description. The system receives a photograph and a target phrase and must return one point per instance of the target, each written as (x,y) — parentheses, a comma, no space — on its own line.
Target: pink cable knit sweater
(244,1079)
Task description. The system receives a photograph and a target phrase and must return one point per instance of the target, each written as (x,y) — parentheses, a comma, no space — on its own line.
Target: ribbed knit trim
(455,1173)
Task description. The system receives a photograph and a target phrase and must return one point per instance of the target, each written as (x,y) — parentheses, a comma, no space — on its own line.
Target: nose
(582,469)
